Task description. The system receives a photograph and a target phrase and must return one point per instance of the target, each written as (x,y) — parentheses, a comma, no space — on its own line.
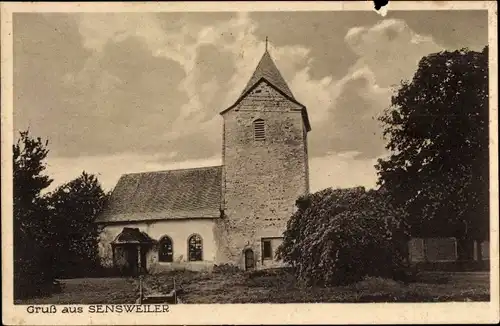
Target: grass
(91,291)
(273,286)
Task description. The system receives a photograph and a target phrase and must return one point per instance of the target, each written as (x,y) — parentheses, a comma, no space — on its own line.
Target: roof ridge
(173,170)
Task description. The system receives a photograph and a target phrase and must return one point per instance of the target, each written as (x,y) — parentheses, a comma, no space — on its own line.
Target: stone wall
(485,249)
(440,249)
(178,230)
(262,179)
(433,249)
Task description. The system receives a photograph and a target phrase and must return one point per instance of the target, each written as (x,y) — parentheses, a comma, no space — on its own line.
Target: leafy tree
(338,236)
(437,132)
(32,255)
(74,207)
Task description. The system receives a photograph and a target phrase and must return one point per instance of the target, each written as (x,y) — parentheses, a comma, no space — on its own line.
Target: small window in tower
(267,250)
(259,130)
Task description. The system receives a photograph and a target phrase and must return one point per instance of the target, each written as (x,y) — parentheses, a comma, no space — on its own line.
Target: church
(235,213)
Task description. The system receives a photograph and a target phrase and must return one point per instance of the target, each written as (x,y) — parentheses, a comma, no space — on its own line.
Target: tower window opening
(267,250)
(259,130)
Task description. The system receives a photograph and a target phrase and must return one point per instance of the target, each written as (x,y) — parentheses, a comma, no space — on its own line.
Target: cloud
(344,111)
(147,88)
(352,123)
(454,29)
(341,171)
(390,49)
(117,103)
(169,85)
(152,84)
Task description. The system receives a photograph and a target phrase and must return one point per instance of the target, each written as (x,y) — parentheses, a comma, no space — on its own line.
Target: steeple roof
(267,69)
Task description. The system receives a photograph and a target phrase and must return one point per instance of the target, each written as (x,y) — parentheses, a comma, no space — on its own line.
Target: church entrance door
(132,261)
(249,259)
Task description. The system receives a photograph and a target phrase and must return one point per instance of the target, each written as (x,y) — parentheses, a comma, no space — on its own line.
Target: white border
(250,313)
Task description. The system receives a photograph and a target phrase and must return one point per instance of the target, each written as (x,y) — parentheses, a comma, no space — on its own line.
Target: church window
(195,247)
(166,252)
(259,131)
(267,250)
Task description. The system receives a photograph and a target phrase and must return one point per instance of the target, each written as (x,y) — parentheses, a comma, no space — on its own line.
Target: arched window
(195,247)
(259,130)
(166,252)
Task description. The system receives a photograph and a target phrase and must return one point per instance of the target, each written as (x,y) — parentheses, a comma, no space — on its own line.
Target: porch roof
(132,236)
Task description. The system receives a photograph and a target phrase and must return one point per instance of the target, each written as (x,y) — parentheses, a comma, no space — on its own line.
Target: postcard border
(252,313)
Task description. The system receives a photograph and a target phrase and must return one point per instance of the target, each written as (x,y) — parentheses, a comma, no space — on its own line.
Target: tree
(32,256)
(74,207)
(338,236)
(437,133)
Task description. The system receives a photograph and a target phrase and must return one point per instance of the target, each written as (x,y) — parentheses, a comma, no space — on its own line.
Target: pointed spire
(267,69)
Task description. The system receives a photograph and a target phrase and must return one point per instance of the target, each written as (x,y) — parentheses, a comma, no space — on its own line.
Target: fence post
(175,293)
(140,289)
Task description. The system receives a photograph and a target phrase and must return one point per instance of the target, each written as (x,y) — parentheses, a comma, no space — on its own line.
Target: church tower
(265,167)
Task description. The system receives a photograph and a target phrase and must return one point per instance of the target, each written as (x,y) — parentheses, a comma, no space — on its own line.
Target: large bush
(338,236)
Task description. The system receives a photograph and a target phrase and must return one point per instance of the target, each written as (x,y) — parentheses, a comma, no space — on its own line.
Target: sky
(118,93)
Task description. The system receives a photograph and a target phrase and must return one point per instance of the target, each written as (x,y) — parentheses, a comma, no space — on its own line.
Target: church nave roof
(173,194)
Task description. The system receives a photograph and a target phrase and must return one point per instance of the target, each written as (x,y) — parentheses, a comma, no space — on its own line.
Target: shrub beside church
(338,236)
